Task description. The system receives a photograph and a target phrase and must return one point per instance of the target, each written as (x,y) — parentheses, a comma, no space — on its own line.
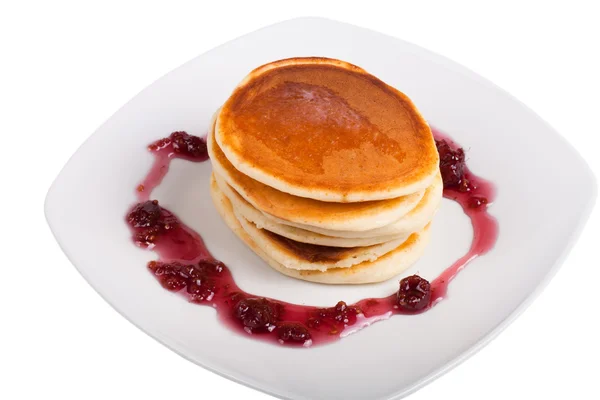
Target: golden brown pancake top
(328,127)
(287,206)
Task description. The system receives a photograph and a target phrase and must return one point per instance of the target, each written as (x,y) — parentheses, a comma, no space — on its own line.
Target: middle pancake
(247,211)
(360,216)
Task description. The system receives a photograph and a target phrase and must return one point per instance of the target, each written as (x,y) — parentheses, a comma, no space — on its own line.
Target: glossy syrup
(186,266)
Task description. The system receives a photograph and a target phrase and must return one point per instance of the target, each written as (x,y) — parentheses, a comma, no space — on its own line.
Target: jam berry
(293,332)
(169,269)
(169,275)
(188,145)
(414,293)
(339,315)
(257,314)
(181,144)
(157,267)
(144,214)
(197,278)
(452,166)
(201,289)
(210,267)
(149,220)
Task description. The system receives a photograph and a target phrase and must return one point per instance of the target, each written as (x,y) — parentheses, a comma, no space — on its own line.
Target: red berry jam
(183,144)
(189,145)
(150,221)
(144,215)
(185,265)
(474,194)
(452,164)
(457,178)
(293,332)
(414,294)
(198,279)
(177,145)
(257,314)
(336,317)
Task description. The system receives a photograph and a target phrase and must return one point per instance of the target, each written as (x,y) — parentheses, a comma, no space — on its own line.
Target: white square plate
(545,193)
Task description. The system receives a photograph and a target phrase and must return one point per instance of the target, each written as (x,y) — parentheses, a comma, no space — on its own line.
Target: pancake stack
(324,171)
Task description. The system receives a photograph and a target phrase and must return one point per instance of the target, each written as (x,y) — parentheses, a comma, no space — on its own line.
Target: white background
(67,66)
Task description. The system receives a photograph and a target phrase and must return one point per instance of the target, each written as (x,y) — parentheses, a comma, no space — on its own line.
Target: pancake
(247,211)
(304,256)
(327,130)
(384,268)
(299,210)
(414,221)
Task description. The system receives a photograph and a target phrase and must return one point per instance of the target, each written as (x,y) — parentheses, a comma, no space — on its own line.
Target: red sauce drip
(474,194)
(186,266)
(176,145)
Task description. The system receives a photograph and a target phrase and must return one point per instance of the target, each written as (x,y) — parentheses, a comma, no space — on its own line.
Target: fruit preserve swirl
(186,266)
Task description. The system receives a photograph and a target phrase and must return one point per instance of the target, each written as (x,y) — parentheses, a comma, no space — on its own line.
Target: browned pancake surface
(412,239)
(311,252)
(290,207)
(328,127)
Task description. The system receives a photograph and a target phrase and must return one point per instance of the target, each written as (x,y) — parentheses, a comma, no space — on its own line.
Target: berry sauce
(185,265)
(176,145)
(474,194)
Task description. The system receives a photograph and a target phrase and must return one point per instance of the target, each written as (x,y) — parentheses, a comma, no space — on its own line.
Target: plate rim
(444,61)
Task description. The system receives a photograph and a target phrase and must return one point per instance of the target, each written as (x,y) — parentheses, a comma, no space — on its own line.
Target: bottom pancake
(384,268)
